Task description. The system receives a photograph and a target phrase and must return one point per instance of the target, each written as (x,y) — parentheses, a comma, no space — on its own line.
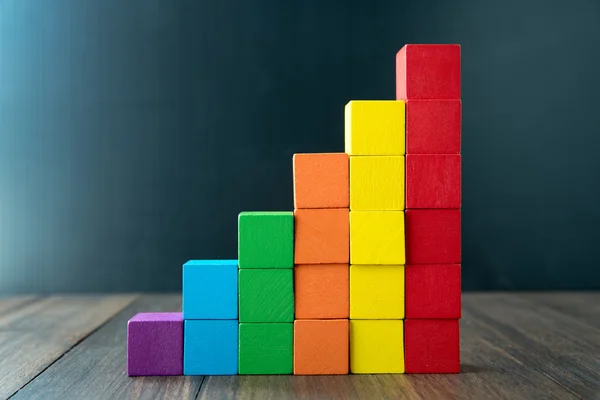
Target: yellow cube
(377,183)
(376,347)
(377,238)
(375,127)
(376,292)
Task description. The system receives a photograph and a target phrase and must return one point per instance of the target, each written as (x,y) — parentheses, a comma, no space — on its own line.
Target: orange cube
(321,180)
(322,236)
(321,347)
(321,291)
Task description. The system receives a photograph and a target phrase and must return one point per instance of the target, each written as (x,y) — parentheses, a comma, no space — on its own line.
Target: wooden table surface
(513,346)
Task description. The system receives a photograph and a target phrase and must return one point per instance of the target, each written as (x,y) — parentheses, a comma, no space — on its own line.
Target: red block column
(428,78)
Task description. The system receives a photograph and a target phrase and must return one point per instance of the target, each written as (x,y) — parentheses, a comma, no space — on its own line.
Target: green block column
(266,292)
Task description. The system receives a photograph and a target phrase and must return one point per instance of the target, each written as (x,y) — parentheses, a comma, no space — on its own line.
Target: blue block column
(210,313)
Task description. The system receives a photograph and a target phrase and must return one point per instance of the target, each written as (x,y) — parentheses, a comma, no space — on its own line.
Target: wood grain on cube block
(266,348)
(433,181)
(266,240)
(210,289)
(376,292)
(210,347)
(433,237)
(322,236)
(375,127)
(432,346)
(155,344)
(266,295)
(321,291)
(377,237)
(376,347)
(428,71)
(377,183)
(321,347)
(321,180)
(433,291)
(433,126)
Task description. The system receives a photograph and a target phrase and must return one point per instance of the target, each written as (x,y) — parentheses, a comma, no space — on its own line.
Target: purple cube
(155,344)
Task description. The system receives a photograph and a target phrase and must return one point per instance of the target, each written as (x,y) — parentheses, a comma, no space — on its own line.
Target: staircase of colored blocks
(363,277)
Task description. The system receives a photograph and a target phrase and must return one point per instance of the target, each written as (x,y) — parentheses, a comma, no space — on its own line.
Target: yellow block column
(375,142)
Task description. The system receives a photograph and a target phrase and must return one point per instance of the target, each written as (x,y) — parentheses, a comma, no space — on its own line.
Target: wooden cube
(376,347)
(321,291)
(210,347)
(376,292)
(266,240)
(433,181)
(377,238)
(432,346)
(377,183)
(321,347)
(433,126)
(433,237)
(266,295)
(155,344)
(322,236)
(210,289)
(428,71)
(321,180)
(266,348)
(375,128)
(433,291)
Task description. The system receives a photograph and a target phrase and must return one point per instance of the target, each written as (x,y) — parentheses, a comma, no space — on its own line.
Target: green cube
(266,295)
(266,349)
(266,240)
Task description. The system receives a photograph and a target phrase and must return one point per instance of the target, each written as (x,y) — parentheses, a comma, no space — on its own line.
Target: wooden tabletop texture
(513,346)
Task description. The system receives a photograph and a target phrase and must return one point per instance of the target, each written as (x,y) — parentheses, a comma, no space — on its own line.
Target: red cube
(433,181)
(433,291)
(433,126)
(431,346)
(433,237)
(428,71)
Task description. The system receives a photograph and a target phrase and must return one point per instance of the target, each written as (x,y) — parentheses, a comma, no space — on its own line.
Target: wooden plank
(488,371)
(565,352)
(35,335)
(583,306)
(9,304)
(96,368)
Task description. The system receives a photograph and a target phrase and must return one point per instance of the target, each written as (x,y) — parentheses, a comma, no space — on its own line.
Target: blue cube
(210,289)
(210,347)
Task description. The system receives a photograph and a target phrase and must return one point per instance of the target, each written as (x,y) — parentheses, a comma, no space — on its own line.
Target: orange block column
(321,258)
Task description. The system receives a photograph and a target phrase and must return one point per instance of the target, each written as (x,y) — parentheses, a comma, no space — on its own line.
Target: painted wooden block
(321,291)
(432,346)
(433,126)
(210,289)
(155,344)
(266,348)
(322,236)
(266,239)
(376,347)
(428,71)
(266,295)
(321,347)
(376,292)
(433,237)
(375,128)
(433,291)
(210,347)
(321,180)
(433,181)
(377,237)
(377,183)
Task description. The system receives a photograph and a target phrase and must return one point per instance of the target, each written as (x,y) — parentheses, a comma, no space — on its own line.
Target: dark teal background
(132,133)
